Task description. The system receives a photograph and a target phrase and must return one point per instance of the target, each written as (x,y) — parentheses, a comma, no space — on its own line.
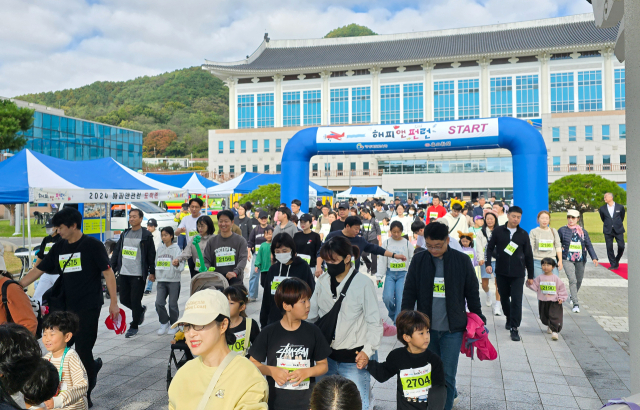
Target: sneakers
(388,330)
(144,310)
(163,329)
(173,331)
(515,336)
(497,309)
(488,301)
(549,330)
(570,300)
(554,336)
(130,333)
(147,292)
(576,309)
(507,325)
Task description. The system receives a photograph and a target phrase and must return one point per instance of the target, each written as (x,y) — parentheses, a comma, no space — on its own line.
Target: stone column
(375,94)
(233,104)
(545,106)
(485,92)
(608,93)
(427,67)
(325,96)
(277,101)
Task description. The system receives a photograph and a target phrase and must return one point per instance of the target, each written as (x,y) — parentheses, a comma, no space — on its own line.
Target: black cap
(263,215)
(48,225)
(152,222)
(306,218)
(343,205)
(318,203)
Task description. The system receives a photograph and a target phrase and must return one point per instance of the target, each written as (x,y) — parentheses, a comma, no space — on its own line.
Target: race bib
(163,264)
(545,245)
(226,259)
(198,264)
(305,258)
(548,288)
(399,265)
(438,287)
(416,382)
(74,264)
(129,252)
(511,248)
(48,247)
(238,346)
(276,282)
(433,215)
(575,247)
(291,366)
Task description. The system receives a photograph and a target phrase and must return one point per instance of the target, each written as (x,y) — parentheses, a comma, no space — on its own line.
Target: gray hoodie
(166,255)
(289,228)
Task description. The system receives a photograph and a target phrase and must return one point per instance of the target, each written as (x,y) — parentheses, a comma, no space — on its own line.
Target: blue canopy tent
(193,182)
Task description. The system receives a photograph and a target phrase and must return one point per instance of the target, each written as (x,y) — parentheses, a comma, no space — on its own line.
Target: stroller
(204,280)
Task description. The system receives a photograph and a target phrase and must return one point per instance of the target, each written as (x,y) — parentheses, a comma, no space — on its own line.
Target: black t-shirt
(412,370)
(308,244)
(82,277)
(240,333)
(50,241)
(282,348)
(336,225)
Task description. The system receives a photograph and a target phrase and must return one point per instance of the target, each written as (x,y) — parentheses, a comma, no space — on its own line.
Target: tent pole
(22,223)
(29,229)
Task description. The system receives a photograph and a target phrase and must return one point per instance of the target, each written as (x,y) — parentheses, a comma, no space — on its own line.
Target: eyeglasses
(435,248)
(187,327)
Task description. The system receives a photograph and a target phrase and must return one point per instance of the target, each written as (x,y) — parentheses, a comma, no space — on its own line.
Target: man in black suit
(612,216)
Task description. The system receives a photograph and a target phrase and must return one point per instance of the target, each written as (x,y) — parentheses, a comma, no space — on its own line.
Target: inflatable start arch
(528,151)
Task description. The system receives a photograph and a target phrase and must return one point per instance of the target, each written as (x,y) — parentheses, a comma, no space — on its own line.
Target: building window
(527,101)
(243,169)
(501,97)
(245,111)
(390,104)
(353,166)
(232,169)
(232,147)
(327,166)
(573,162)
(622,131)
(312,107)
(590,90)
(291,109)
(562,93)
(365,166)
(220,147)
(360,105)
(266,168)
(278,167)
(314,167)
(606,130)
(220,169)
(243,147)
(556,134)
(468,99)
(340,166)
(556,164)
(589,162)
(588,132)
(266,145)
(623,158)
(278,145)
(572,133)
(444,107)
(619,79)
(606,162)
(339,106)
(413,99)
(254,168)
(265,110)
(254,146)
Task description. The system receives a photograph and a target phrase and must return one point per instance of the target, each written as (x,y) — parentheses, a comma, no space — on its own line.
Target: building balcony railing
(337,173)
(588,168)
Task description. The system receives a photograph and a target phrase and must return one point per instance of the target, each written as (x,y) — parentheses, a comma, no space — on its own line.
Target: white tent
(362,193)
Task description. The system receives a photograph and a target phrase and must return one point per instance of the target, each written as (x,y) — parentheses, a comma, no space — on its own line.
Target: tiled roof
(514,41)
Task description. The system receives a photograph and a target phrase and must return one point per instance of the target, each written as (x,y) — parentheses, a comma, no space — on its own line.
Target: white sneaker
(163,329)
(570,300)
(554,336)
(488,301)
(497,309)
(576,309)
(549,330)
(173,331)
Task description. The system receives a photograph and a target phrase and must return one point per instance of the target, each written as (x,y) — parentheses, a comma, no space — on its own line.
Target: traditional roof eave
(224,74)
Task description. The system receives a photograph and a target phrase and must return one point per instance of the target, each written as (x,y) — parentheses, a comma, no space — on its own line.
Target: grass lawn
(13,264)
(592,224)
(6,231)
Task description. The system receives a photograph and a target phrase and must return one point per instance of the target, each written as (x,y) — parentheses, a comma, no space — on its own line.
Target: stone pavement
(582,370)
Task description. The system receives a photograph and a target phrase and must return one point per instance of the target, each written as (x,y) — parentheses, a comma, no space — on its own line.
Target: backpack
(35,305)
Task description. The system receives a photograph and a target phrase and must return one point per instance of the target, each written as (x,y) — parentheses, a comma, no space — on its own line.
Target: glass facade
(360,105)
(501,97)
(265,110)
(291,109)
(562,92)
(245,111)
(390,104)
(444,103)
(312,107)
(77,140)
(423,166)
(527,100)
(590,90)
(619,79)
(339,98)
(468,99)
(413,100)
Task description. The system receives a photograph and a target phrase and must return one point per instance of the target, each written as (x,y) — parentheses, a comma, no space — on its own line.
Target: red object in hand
(119,325)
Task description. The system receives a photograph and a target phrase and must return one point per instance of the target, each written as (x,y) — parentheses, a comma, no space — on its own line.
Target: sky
(56,45)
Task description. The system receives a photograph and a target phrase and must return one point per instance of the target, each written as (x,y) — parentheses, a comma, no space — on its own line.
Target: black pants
(192,267)
(131,291)
(511,289)
(85,339)
(372,264)
(551,315)
(619,237)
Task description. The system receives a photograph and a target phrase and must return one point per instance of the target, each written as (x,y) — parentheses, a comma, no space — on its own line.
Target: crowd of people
(320,326)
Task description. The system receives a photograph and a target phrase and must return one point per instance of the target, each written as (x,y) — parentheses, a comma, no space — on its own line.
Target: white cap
(204,307)
(573,212)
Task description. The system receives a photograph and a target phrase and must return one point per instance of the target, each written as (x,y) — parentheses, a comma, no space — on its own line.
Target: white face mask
(411,212)
(283,258)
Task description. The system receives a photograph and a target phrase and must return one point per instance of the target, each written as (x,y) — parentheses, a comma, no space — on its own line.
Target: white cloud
(69,43)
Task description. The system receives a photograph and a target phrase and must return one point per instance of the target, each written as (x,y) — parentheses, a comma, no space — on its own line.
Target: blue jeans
(392,292)
(182,241)
(254,279)
(537,269)
(447,346)
(361,378)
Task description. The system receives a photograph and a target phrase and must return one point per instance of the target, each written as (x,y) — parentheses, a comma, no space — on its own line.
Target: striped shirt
(74,383)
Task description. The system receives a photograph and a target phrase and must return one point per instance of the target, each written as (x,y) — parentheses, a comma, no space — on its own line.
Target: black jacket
(269,313)
(245,225)
(510,265)
(612,225)
(147,256)
(461,284)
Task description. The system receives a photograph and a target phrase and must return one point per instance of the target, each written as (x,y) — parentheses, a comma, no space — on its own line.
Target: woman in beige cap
(575,245)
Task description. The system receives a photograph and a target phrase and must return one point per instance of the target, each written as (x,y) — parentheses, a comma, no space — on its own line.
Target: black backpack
(36,307)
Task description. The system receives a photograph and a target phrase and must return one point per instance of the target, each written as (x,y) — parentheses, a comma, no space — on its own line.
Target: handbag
(214,380)
(328,322)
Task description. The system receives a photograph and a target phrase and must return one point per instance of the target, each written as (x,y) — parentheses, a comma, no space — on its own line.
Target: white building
(557,73)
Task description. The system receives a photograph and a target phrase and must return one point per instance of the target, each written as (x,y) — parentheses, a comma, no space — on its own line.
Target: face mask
(411,212)
(335,269)
(283,258)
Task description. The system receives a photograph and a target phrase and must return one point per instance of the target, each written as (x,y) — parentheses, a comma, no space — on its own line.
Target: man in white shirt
(188,224)
(457,221)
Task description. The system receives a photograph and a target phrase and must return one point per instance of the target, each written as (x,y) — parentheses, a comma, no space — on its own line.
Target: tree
(176,149)
(583,192)
(13,120)
(352,30)
(266,197)
(156,142)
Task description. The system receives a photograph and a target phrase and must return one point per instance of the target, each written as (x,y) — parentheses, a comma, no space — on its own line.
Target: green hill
(188,101)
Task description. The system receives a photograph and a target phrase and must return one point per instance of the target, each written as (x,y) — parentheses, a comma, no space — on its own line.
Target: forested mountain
(188,101)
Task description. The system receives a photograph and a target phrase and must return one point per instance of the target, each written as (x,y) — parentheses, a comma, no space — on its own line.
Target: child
(384,229)
(263,256)
(417,227)
(420,372)
(168,278)
(466,243)
(295,351)
(241,326)
(394,282)
(58,329)
(551,294)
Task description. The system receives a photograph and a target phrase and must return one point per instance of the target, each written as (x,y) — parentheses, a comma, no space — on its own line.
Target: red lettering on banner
(483,126)
(475,128)
(452,129)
